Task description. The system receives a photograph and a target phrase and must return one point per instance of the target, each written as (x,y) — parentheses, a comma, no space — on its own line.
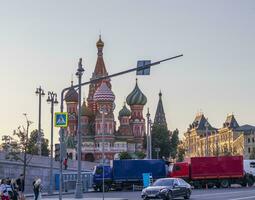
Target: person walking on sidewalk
(37,187)
(21,186)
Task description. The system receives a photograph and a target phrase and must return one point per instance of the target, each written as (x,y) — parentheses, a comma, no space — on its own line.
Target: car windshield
(163,182)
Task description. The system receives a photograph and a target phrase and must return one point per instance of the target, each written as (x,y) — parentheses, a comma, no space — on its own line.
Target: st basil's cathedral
(96,128)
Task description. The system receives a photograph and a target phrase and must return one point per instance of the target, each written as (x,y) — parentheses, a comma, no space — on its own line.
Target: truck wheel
(106,188)
(224,183)
(250,181)
(95,188)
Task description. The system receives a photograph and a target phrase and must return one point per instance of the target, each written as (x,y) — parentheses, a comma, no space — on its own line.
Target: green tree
(6,142)
(125,155)
(180,154)
(174,142)
(140,154)
(160,139)
(32,147)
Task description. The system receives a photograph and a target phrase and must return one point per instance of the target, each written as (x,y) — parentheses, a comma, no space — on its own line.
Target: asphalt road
(209,194)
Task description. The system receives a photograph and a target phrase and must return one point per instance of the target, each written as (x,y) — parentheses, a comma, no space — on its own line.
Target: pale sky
(42,41)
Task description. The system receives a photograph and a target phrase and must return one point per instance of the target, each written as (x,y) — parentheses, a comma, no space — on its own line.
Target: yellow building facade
(201,139)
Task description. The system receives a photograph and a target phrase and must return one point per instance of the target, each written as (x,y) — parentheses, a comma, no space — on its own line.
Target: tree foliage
(140,155)
(15,148)
(174,142)
(124,155)
(32,147)
(180,154)
(160,139)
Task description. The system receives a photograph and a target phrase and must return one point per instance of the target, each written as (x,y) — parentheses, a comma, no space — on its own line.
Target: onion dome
(71,95)
(104,93)
(100,43)
(136,97)
(124,112)
(84,109)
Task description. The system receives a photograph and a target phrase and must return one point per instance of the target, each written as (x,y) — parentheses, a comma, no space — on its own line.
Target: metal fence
(69,181)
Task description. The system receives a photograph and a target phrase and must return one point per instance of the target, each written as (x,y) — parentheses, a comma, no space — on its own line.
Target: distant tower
(136,100)
(85,119)
(99,71)
(71,98)
(160,118)
(104,97)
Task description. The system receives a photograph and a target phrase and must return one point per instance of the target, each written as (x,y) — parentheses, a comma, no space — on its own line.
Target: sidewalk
(85,198)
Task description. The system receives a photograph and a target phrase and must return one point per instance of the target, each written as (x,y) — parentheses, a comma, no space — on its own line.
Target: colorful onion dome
(71,95)
(100,43)
(124,112)
(136,97)
(104,93)
(85,110)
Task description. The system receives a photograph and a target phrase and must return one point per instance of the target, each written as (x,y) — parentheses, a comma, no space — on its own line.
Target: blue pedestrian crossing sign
(61,119)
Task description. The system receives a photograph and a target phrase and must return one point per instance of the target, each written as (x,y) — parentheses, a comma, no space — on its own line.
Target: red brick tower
(99,71)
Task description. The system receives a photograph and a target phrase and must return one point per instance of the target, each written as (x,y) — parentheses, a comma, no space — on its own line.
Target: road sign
(141,63)
(61,119)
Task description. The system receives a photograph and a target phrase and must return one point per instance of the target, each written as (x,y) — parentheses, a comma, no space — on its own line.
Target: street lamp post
(150,138)
(40,92)
(206,142)
(52,99)
(148,134)
(25,150)
(78,189)
(103,112)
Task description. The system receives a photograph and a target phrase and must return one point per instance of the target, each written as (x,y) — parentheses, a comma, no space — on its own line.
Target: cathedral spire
(100,69)
(160,118)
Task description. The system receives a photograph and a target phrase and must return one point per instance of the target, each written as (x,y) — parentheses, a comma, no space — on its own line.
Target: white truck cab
(249,166)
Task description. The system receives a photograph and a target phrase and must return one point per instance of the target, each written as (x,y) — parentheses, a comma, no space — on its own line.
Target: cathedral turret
(99,71)
(136,100)
(71,98)
(86,115)
(160,118)
(124,114)
(104,125)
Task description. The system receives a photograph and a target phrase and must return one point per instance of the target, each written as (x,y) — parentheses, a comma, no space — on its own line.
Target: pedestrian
(4,190)
(21,186)
(65,163)
(37,187)
(14,188)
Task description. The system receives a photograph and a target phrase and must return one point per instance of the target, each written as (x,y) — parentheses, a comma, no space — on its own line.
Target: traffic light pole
(86,83)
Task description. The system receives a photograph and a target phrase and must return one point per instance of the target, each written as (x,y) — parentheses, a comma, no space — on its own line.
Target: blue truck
(126,173)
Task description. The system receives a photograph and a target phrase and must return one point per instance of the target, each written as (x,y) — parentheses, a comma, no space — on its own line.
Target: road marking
(220,193)
(251,197)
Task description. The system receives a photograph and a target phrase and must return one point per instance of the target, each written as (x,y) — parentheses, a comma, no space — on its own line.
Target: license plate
(151,195)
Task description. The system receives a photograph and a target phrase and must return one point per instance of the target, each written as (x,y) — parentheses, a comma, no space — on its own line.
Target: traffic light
(57,152)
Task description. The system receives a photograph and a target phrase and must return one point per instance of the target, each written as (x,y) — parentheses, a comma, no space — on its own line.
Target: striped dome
(136,97)
(104,93)
(124,112)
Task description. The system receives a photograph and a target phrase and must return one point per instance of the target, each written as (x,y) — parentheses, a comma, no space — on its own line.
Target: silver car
(167,189)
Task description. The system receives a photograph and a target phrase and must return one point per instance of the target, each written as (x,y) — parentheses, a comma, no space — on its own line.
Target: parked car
(167,189)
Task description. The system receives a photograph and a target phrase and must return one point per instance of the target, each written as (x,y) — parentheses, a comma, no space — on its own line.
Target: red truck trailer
(212,171)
